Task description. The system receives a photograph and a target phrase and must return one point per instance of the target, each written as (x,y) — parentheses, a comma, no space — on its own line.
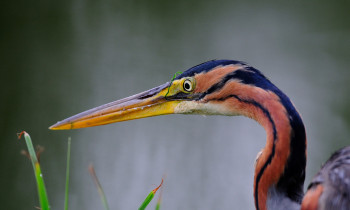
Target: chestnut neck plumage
(280,167)
(242,89)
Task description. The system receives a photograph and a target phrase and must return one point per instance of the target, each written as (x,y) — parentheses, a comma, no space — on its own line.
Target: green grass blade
(67,174)
(44,202)
(159,200)
(99,187)
(158,206)
(147,201)
(149,197)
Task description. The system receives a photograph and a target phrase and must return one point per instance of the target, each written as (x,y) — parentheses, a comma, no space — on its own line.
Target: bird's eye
(187,85)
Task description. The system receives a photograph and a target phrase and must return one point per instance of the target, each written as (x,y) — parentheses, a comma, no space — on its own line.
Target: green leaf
(149,197)
(44,202)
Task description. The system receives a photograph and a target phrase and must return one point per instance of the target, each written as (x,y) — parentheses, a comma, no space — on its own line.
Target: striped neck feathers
(281,164)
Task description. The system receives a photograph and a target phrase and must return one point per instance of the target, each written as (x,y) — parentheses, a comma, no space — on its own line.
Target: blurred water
(61,58)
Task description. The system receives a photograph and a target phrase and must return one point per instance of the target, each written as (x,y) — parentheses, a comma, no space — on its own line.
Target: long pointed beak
(146,104)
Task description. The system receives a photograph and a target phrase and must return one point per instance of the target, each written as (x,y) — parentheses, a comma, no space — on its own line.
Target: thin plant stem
(67,174)
(99,187)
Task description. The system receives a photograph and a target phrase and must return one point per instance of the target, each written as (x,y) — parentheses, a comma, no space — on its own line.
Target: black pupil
(187,85)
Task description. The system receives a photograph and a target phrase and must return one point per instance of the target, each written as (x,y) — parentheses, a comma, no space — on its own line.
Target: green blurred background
(58,58)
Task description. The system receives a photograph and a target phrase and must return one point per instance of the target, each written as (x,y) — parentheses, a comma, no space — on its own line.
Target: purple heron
(228,87)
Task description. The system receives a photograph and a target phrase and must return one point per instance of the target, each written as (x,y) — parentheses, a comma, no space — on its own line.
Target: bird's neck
(280,166)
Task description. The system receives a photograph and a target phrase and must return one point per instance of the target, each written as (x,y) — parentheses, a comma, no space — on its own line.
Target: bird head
(209,88)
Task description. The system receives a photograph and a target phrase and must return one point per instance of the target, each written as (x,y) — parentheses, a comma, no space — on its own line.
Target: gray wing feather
(334,176)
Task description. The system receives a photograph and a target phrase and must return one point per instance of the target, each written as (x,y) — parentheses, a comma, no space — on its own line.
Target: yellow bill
(160,100)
